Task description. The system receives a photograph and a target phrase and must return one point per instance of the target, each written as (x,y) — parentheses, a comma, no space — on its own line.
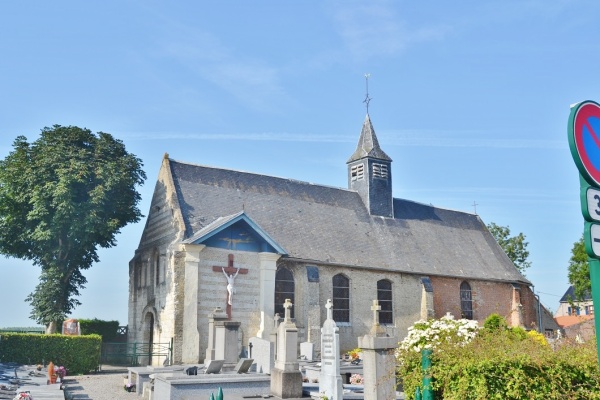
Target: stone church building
(213,233)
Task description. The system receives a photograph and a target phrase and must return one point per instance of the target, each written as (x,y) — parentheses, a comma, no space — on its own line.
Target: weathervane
(367,98)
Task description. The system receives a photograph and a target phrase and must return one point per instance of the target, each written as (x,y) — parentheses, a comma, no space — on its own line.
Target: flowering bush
(430,334)
(499,362)
(356,379)
(61,372)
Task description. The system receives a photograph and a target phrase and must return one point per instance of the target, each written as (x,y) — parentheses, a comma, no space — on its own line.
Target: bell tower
(370,173)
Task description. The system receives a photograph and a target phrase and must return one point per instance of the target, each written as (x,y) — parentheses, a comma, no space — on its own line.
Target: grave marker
(330,380)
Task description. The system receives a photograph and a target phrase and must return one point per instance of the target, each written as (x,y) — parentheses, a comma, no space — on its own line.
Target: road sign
(592,239)
(584,140)
(590,203)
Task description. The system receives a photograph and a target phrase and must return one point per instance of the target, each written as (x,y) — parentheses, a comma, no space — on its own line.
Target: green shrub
(494,322)
(78,354)
(507,364)
(107,329)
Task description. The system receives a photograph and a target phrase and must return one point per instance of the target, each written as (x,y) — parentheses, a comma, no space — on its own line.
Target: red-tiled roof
(569,320)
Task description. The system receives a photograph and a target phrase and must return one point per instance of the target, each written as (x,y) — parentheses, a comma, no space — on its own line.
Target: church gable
(236,232)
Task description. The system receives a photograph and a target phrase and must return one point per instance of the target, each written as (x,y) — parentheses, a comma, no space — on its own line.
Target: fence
(134,354)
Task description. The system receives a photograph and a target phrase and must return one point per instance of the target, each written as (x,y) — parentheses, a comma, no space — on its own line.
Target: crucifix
(230,273)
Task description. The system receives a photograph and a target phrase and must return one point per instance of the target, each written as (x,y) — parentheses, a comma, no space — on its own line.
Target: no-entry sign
(584,140)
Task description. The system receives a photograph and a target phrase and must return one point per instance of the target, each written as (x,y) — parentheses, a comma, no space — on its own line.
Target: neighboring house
(212,233)
(579,327)
(569,305)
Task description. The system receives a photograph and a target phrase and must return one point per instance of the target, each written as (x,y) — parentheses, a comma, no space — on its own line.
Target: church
(245,242)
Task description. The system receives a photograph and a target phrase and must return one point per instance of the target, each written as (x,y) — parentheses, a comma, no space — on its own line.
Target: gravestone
(286,378)
(222,339)
(330,380)
(214,367)
(379,361)
(243,365)
(218,315)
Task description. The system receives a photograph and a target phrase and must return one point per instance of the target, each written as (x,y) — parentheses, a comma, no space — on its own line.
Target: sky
(470,99)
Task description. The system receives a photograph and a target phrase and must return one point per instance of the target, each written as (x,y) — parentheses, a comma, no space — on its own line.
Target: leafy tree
(61,197)
(515,247)
(579,270)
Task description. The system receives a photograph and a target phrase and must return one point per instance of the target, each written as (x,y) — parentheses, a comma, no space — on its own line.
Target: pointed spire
(368,146)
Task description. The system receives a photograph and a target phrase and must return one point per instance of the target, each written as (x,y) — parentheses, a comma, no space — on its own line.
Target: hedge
(107,329)
(78,354)
(502,365)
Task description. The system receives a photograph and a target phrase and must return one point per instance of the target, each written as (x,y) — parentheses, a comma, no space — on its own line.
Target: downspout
(539,309)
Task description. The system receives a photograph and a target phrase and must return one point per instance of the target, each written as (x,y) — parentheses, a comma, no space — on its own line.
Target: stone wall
(212,289)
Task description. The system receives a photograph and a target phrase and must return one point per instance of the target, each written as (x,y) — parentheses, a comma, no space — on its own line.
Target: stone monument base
(286,384)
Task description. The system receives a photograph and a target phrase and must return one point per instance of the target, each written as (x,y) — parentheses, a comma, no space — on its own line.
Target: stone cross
(230,270)
(375,308)
(287,305)
(329,306)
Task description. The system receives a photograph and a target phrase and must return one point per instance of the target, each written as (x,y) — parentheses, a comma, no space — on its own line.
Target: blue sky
(470,99)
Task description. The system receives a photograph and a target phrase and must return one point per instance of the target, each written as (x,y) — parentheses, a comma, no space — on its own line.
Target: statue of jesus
(230,282)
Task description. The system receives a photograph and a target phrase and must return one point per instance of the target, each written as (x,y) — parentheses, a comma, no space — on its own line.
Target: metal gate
(137,354)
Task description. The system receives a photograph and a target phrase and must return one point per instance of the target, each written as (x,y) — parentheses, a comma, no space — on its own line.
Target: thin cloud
(253,82)
(376,30)
(407,138)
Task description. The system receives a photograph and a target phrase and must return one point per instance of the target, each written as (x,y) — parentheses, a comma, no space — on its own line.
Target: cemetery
(289,374)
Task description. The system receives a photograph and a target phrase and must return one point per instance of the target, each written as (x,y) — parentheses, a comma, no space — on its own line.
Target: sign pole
(584,143)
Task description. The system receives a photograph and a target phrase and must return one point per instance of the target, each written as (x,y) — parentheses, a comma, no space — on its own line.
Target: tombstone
(330,380)
(286,378)
(214,367)
(223,340)
(263,350)
(307,351)
(379,361)
(71,327)
(243,365)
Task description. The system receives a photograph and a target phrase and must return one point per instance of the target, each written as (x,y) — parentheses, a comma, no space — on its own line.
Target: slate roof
(323,224)
(368,145)
(570,295)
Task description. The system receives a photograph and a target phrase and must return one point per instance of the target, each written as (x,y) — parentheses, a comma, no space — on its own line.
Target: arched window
(384,295)
(284,289)
(341,298)
(466,301)
(156,263)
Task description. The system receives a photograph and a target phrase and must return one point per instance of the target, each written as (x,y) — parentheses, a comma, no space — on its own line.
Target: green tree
(579,270)
(61,197)
(515,247)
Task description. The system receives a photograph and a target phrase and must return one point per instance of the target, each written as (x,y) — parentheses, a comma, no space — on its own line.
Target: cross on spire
(287,305)
(367,98)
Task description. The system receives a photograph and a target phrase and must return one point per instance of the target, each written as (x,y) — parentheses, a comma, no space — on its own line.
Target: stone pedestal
(222,339)
(379,361)
(227,343)
(286,378)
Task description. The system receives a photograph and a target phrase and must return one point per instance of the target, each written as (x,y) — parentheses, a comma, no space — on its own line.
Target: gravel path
(104,385)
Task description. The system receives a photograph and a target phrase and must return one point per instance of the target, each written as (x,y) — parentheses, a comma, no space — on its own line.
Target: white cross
(329,306)
(375,308)
(287,305)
